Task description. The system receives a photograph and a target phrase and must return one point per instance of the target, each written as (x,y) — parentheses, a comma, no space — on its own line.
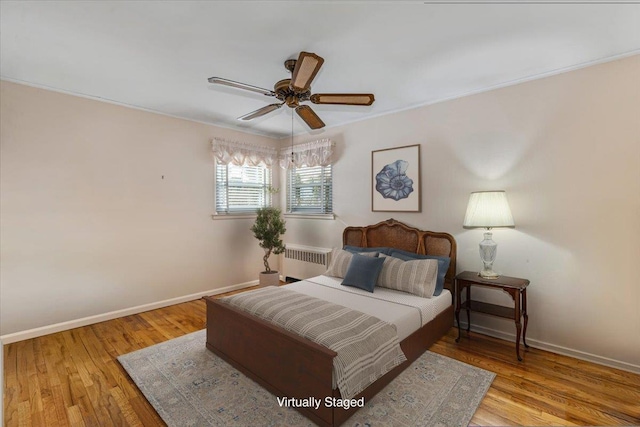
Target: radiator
(302,262)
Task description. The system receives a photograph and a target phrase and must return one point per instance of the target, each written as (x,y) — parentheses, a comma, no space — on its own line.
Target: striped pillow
(417,277)
(340,260)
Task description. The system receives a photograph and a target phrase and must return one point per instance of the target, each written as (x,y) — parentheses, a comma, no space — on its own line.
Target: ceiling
(158,55)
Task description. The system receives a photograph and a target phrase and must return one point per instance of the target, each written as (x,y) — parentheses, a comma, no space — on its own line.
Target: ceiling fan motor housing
(289,96)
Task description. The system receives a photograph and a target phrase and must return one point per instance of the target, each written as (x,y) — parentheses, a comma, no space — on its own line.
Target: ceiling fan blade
(227,82)
(307,66)
(260,112)
(343,98)
(310,117)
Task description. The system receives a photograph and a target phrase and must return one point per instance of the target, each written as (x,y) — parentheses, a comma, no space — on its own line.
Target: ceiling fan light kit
(297,89)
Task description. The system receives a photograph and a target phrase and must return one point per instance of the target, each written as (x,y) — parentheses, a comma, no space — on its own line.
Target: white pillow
(340,260)
(417,277)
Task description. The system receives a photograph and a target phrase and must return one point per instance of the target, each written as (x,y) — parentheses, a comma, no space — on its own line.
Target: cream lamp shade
(488,209)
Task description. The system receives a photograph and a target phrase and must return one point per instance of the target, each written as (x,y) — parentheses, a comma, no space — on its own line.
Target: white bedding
(408,312)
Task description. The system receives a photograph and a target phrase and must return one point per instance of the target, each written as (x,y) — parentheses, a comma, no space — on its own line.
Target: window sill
(216,217)
(310,216)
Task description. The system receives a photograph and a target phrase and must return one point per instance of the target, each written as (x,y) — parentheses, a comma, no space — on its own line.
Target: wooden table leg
(468,308)
(526,317)
(517,316)
(458,303)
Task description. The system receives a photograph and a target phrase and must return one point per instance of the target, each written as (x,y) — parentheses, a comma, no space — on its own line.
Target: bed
(291,366)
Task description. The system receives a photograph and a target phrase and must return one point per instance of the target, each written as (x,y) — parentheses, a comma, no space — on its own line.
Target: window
(242,189)
(309,190)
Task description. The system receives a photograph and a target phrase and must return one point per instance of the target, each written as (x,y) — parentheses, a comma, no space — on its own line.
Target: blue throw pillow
(443,265)
(363,272)
(356,249)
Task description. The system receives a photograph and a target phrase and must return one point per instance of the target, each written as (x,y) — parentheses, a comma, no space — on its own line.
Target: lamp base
(488,251)
(488,274)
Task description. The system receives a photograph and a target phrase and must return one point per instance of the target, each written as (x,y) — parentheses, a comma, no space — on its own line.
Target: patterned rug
(190,386)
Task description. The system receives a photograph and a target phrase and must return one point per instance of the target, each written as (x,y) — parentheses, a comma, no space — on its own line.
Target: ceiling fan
(297,89)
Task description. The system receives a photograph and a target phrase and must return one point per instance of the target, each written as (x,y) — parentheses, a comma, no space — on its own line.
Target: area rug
(190,386)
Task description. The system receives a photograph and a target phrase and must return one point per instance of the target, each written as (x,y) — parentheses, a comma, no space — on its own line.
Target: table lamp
(488,209)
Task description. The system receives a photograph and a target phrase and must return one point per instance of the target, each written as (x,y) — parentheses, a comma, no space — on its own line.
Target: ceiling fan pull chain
(292,136)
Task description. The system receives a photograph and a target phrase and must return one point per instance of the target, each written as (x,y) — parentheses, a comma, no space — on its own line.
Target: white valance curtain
(242,153)
(317,153)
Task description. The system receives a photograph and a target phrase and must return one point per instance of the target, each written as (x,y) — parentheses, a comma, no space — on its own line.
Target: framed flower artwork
(395,184)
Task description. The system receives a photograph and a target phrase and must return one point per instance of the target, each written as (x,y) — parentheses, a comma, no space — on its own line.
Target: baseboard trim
(553,348)
(63,326)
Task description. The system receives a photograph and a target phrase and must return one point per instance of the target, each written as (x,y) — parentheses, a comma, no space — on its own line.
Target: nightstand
(514,286)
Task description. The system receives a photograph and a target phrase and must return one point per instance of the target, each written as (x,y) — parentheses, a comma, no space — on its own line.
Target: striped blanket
(367,347)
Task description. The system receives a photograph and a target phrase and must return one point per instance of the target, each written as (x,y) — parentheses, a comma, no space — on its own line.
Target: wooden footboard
(283,363)
(291,366)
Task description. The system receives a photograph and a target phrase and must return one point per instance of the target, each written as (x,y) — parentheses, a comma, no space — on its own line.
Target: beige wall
(567,151)
(88,223)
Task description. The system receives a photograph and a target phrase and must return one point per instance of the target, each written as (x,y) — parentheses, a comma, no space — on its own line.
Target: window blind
(242,189)
(310,190)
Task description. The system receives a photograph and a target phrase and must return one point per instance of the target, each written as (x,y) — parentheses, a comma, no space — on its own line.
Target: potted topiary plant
(267,229)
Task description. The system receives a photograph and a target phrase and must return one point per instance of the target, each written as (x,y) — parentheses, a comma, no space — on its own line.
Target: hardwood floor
(545,388)
(72,378)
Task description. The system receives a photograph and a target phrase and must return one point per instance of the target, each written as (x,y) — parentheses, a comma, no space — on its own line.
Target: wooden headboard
(395,234)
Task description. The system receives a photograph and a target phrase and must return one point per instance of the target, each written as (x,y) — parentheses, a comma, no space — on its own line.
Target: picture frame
(395,179)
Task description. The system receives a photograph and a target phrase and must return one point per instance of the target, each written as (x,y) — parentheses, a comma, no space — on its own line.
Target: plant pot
(271,278)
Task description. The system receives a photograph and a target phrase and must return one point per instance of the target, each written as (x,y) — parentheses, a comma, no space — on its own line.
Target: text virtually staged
(314,402)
